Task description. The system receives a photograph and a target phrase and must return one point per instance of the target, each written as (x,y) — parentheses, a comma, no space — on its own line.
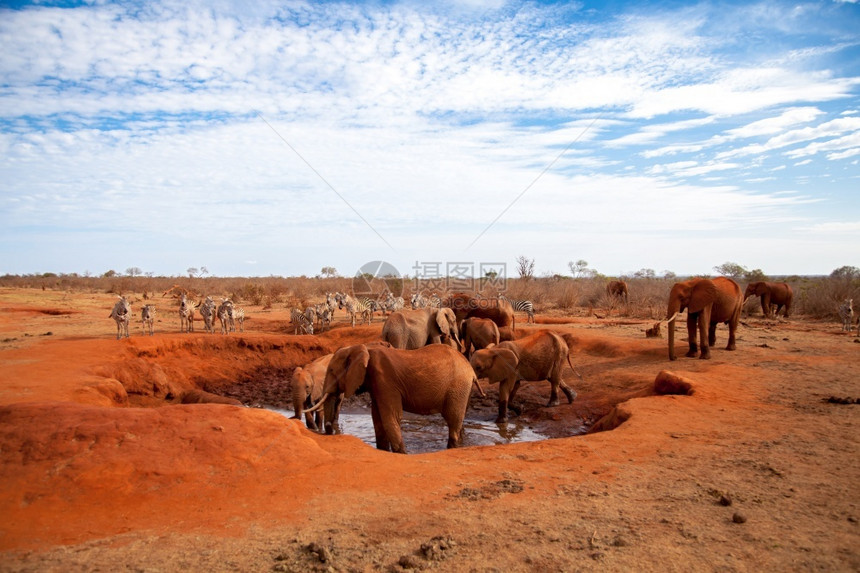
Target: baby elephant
(306,388)
(478,332)
(540,356)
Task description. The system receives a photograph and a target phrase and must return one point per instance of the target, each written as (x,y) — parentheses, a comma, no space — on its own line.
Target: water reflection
(430,433)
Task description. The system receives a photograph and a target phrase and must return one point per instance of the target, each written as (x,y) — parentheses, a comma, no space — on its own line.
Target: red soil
(101,467)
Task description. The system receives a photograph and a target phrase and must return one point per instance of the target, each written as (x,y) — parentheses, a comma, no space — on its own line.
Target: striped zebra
(121,312)
(186,314)
(239,317)
(354,306)
(207,313)
(392,304)
(225,315)
(421,301)
(147,317)
(324,318)
(525,306)
(300,321)
(846,314)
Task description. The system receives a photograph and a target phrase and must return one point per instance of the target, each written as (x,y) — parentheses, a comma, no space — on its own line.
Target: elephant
(478,332)
(617,289)
(539,356)
(779,294)
(498,310)
(411,329)
(708,302)
(430,380)
(306,388)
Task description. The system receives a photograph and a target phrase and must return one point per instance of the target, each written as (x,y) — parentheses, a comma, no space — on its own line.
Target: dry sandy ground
(101,468)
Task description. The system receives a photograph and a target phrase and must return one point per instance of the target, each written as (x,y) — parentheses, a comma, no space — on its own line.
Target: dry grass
(814,297)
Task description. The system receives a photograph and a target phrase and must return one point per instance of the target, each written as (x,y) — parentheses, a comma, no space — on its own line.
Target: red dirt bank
(90,479)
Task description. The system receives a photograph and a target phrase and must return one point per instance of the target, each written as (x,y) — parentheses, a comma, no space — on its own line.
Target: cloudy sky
(282,138)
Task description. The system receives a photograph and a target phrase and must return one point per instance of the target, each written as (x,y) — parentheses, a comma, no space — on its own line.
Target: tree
(133,271)
(645,274)
(525,267)
(670,276)
(192,271)
(329,272)
(732,270)
(755,275)
(580,269)
(109,274)
(846,273)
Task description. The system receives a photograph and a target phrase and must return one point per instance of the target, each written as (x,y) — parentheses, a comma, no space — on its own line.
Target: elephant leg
(455,428)
(704,323)
(691,334)
(733,326)
(387,423)
(568,391)
(507,389)
(511,406)
(378,429)
(553,392)
(712,334)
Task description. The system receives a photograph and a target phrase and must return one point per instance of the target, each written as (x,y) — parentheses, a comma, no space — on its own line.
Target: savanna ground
(103,468)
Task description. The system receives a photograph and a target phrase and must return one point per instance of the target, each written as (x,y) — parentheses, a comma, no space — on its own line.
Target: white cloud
(429,121)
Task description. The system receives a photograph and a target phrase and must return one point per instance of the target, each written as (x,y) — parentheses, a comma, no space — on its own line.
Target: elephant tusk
(318,406)
(671,318)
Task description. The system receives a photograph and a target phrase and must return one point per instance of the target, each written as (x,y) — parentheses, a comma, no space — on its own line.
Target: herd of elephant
(429,359)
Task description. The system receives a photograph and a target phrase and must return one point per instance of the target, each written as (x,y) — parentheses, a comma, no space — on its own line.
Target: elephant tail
(569,341)
(478,386)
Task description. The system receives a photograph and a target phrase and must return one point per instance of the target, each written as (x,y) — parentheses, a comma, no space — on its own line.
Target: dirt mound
(62,459)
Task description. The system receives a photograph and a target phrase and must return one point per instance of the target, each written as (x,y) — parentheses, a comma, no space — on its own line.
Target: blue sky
(282,138)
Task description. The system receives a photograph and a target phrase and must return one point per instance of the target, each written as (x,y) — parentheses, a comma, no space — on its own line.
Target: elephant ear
(703,293)
(445,320)
(505,361)
(760,288)
(356,368)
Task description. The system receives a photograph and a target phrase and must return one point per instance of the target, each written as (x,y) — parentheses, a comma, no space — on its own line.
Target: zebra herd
(226,312)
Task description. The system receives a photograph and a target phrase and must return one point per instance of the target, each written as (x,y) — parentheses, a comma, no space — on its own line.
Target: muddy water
(430,433)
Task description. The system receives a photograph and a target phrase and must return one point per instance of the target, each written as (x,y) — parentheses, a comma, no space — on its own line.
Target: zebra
(392,304)
(207,313)
(330,303)
(353,306)
(421,301)
(525,306)
(300,322)
(225,315)
(846,314)
(239,315)
(324,317)
(121,313)
(186,314)
(311,314)
(147,317)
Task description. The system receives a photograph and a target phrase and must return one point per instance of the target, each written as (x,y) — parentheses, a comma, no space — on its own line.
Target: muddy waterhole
(424,434)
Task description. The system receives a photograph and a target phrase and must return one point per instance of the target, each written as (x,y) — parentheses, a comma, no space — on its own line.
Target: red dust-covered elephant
(708,302)
(779,294)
